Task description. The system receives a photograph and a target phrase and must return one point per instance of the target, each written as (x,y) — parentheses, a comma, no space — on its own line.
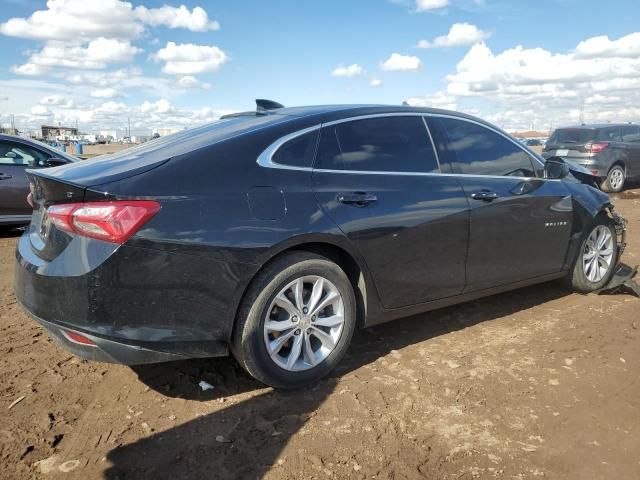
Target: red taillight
(597,147)
(75,337)
(109,221)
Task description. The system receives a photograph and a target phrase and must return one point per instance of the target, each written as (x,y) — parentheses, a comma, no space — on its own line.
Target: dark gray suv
(610,151)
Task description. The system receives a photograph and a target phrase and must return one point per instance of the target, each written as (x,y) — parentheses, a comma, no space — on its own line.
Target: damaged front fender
(588,203)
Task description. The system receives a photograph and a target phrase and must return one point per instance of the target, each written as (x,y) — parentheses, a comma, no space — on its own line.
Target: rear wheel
(597,256)
(615,179)
(296,321)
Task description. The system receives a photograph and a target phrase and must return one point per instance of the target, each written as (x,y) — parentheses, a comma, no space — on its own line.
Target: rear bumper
(138,305)
(106,350)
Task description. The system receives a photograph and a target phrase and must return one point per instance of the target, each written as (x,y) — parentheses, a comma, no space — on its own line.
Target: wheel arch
(335,250)
(620,162)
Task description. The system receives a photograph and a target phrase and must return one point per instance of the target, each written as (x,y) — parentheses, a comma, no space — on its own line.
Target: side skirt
(382,316)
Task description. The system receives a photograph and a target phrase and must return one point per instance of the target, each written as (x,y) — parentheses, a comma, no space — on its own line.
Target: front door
(519,223)
(374,178)
(14,186)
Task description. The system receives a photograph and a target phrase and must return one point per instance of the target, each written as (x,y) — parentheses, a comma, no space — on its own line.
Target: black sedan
(16,155)
(272,234)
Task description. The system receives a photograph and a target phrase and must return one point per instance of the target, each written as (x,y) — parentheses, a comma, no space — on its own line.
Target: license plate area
(563,152)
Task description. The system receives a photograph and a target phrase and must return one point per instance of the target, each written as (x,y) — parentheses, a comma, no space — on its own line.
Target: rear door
(378,179)
(14,185)
(520,223)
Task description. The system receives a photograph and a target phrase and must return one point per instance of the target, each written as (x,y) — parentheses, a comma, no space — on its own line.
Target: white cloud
(437,100)
(625,47)
(76,19)
(460,34)
(56,100)
(375,82)
(105,93)
(97,54)
(40,111)
(188,82)
(87,19)
(533,71)
(353,70)
(190,59)
(29,70)
(426,5)
(398,62)
(196,20)
(518,87)
(161,106)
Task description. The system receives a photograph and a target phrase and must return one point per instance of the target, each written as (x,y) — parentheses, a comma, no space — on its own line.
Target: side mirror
(556,168)
(56,162)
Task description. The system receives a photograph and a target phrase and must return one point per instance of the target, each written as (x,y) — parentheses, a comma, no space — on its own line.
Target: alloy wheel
(598,254)
(616,178)
(304,323)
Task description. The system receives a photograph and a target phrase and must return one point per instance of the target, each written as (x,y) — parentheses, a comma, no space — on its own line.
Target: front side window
(12,153)
(383,144)
(297,152)
(475,150)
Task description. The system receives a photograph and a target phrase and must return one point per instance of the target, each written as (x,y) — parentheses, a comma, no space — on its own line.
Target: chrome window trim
(433,145)
(265,159)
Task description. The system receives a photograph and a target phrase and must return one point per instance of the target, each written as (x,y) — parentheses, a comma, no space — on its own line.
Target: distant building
(53,132)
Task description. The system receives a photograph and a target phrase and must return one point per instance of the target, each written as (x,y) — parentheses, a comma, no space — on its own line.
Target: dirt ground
(533,383)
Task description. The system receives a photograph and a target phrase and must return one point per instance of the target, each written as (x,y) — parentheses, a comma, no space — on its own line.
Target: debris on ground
(16,401)
(205,386)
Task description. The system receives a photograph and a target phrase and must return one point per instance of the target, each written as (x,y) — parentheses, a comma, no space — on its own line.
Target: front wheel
(597,256)
(614,182)
(296,321)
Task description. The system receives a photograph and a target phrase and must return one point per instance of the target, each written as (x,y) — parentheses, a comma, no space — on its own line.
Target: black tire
(248,345)
(616,178)
(579,280)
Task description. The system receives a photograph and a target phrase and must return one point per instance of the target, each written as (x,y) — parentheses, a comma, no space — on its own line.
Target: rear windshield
(571,135)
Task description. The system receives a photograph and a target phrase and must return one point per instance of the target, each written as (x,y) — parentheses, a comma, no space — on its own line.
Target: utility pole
(582,113)
(129,127)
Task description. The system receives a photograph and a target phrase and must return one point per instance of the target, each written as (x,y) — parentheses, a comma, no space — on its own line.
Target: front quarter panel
(588,202)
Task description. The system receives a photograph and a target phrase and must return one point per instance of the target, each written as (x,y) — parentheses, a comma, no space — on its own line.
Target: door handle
(5,177)
(359,199)
(485,196)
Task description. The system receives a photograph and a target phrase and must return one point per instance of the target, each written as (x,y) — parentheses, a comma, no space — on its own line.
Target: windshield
(572,135)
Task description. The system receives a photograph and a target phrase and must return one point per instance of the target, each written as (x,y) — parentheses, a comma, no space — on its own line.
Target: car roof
(328,112)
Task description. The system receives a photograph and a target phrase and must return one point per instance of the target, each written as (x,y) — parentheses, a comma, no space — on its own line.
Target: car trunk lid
(572,143)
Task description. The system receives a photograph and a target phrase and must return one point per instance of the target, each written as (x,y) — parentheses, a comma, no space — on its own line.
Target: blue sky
(63,64)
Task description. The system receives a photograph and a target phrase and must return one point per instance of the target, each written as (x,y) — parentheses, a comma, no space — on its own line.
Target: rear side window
(297,152)
(385,144)
(609,134)
(12,153)
(476,150)
(571,135)
(630,134)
